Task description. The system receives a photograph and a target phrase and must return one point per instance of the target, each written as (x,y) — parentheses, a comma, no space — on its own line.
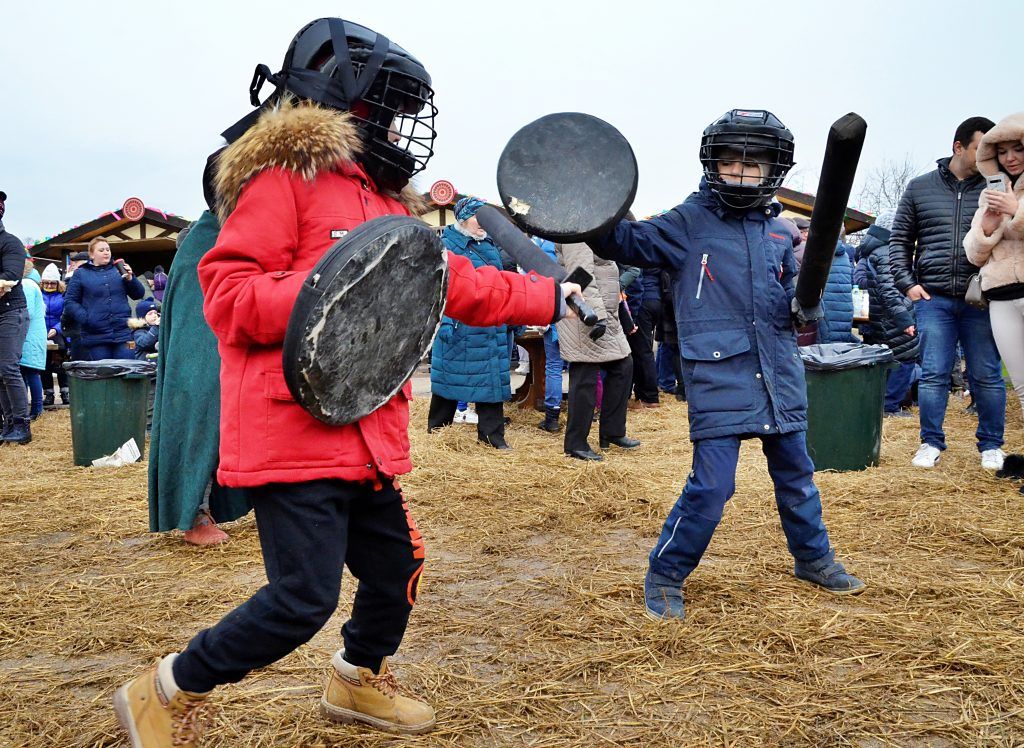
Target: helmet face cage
(400,122)
(770,150)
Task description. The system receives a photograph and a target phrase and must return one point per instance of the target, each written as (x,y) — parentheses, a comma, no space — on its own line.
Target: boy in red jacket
(333,147)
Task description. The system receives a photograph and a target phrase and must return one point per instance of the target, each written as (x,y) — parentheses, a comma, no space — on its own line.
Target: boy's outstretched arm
(656,242)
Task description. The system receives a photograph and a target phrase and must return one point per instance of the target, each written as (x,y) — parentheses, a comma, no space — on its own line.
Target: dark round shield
(364,318)
(567,177)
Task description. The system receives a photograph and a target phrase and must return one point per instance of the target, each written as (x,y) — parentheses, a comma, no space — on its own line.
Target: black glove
(803,316)
(598,330)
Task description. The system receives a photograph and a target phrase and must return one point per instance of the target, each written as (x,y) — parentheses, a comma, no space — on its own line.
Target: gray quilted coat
(603,295)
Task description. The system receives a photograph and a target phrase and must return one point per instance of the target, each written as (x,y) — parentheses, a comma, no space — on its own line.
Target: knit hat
(467,207)
(885,218)
(51,274)
(145,306)
(802,223)
(79,257)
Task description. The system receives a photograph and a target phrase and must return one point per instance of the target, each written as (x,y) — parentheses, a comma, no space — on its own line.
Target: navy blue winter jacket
(97,300)
(732,278)
(837,301)
(891,313)
(470,363)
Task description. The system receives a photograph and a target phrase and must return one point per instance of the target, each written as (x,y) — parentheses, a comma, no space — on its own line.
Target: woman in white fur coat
(995,242)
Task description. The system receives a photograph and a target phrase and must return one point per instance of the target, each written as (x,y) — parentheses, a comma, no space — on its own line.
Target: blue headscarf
(467,207)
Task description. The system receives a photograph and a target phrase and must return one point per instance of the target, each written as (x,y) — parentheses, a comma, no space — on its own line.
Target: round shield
(567,177)
(365,317)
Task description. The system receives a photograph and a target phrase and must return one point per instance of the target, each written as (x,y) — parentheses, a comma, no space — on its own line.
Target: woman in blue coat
(97,300)
(33,352)
(732,273)
(470,363)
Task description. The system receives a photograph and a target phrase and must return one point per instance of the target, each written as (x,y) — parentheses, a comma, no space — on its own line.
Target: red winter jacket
(282,189)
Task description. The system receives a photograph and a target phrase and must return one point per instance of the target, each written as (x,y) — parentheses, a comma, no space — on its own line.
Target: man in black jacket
(13,326)
(930,266)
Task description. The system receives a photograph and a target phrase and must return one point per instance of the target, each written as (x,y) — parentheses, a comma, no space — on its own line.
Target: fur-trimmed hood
(1009,128)
(302,138)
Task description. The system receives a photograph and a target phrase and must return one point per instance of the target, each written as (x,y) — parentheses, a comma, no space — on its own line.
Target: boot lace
(191,722)
(386,683)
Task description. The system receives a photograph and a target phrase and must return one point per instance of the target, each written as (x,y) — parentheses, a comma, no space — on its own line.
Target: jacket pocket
(290,430)
(719,380)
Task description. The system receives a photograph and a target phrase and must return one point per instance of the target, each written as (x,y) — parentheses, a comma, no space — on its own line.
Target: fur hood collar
(302,138)
(1009,128)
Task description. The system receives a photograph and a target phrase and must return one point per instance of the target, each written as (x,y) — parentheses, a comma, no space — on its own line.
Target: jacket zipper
(956,235)
(704,271)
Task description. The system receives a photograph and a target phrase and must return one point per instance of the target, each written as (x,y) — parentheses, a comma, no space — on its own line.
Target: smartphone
(995,182)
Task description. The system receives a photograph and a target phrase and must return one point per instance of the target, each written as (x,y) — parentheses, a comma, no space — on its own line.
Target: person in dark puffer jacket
(931,267)
(13,327)
(891,313)
(837,301)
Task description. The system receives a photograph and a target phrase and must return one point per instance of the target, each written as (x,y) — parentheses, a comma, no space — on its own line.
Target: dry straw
(529,630)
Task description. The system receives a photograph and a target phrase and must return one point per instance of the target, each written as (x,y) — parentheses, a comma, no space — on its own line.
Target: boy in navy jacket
(732,273)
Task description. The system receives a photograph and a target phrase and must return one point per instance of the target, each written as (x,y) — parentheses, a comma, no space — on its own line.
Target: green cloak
(183,448)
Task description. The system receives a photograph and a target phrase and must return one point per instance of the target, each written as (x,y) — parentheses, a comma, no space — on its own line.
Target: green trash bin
(108,406)
(845,400)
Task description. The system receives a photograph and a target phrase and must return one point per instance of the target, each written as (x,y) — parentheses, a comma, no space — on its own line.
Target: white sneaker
(926,456)
(992,459)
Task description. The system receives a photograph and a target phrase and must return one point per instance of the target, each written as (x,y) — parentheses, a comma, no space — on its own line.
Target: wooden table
(531,391)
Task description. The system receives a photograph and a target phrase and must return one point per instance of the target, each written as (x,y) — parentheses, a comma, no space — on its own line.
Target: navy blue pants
(712,482)
(308,531)
(100,351)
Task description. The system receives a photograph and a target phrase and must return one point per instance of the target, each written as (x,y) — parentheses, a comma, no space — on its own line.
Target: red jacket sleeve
(486,296)
(248,285)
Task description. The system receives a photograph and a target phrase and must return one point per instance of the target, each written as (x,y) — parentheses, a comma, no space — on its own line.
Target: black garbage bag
(842,356)
(110,368)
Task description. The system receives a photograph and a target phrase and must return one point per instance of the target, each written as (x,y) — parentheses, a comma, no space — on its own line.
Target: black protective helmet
(345,66)
(758,136)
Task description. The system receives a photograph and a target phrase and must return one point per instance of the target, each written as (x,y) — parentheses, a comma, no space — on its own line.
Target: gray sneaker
(663,597)
(829,574)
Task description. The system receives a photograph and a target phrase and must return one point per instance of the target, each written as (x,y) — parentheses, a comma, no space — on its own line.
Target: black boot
(65,396)
(20,433)
(6,427)
(550,422)
(47,398)
(494,440)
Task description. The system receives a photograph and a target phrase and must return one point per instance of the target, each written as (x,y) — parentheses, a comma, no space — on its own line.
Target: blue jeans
(34,381)
(668,350)
(552,370)
(941,322)
(712,482)
(13,326)
(898,385)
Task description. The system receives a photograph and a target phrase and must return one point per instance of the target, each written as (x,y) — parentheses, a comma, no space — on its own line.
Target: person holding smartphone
(995,242)
(97,300)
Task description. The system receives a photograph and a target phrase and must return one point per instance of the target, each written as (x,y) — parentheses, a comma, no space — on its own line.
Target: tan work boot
(154,721)
(355,694)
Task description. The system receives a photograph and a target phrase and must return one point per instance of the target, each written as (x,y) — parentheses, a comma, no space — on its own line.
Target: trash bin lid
(111,368)
(842,356)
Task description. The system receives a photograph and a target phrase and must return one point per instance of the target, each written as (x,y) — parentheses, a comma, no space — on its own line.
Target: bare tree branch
(885,184)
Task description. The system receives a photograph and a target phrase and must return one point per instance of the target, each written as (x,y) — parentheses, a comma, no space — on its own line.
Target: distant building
(144,237)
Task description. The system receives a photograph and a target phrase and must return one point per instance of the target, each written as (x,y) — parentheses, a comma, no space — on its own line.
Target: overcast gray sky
(106,100)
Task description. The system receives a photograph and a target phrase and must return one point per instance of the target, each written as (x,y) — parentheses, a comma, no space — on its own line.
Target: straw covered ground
(529,630)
